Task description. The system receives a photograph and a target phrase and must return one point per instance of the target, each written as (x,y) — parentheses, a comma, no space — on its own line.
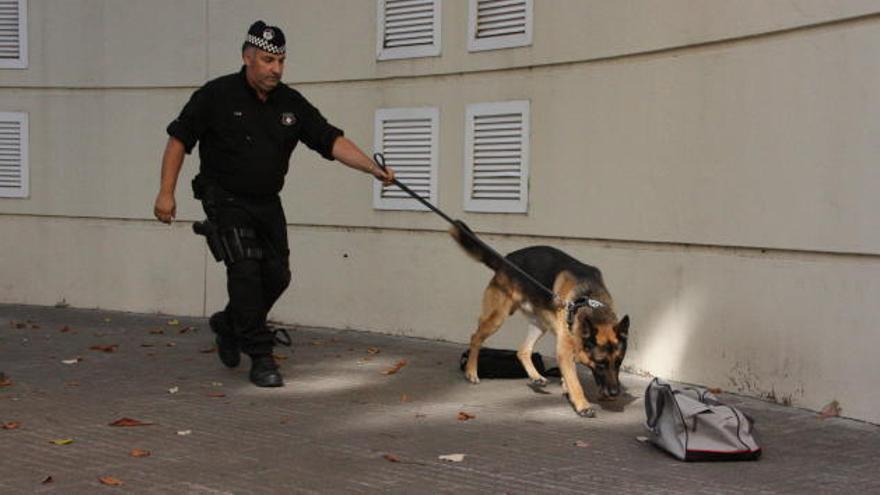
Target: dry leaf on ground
(186,329)
(72,361)
(105,348)
(394,369)
(109,480)
(463,416)
(173,390)
(279,357)
(173,322)
(184,433)
(581,443)
(373,350)
(210,350)
(831,410)
(404,398)
(10,425)
(452,457)
(715,390)
(157,331)
(5,382)
(139,453)
(391,458)
(47,480)
(62,441)
(65,329)
(129,422)
(216,394)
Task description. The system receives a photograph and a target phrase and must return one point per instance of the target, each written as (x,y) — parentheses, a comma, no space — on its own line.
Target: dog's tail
(474,246)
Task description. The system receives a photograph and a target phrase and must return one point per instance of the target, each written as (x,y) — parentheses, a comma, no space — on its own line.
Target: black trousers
(253,283)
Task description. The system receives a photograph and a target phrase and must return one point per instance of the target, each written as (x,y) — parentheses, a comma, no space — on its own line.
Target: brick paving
(331,427)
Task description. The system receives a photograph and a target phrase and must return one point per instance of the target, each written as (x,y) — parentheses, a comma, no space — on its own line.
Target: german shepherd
(595,337)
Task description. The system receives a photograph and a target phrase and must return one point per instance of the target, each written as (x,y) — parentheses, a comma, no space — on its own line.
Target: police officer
(248,124)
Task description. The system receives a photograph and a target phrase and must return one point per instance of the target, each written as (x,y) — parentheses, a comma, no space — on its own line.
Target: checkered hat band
(264,45)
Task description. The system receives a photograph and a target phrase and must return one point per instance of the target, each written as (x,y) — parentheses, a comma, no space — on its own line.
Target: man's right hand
(165,208)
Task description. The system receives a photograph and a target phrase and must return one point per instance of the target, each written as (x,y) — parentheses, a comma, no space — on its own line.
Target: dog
(581,316)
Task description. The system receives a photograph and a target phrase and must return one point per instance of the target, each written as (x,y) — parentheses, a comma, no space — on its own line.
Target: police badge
(288,118)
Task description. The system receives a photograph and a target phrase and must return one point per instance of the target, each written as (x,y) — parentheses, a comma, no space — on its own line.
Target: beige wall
(716,159)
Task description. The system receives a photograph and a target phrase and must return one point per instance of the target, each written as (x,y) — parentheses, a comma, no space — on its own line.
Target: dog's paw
(474,379)
(587,413)
(538,382)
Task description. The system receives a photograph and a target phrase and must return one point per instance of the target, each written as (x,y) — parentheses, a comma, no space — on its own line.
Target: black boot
(264,371)
(227,347)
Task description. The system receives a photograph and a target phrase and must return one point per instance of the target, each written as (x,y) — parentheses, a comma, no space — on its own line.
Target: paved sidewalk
(339,420)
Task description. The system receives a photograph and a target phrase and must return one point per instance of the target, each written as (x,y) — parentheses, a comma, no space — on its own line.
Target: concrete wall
(716,159)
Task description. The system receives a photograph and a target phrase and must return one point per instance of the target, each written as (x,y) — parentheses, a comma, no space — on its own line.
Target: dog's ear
(622,328)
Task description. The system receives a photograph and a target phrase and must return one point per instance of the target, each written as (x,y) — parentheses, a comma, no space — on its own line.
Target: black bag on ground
(500,363)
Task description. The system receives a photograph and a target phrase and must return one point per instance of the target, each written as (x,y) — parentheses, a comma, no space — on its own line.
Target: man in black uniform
(248,124)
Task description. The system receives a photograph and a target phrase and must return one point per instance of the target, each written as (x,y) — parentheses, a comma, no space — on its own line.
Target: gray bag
(692,425)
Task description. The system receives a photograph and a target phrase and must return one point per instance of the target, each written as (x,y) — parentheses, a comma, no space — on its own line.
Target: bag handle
(652,413)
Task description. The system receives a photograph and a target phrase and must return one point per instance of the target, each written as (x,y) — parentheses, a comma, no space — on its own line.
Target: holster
(216,243)
(227,244)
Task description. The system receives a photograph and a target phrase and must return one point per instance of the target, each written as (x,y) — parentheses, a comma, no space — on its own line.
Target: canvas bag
(692,425)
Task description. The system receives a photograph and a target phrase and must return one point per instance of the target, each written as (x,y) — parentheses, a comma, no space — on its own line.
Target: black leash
(570,306)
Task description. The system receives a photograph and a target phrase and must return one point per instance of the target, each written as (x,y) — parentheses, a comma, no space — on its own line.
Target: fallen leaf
(173,322)
(452,457)
(715,390)
(209,350)
(108,320)
(10,425)
(62,441)
(216,394)
(279,357)
(391,458)
(72,383)
(72,361)
(394,369)
(186,329)
(18,324)
(65,329)
(642,439)
(109,480)
(170,344)
(216,384)
(421,415)
(404,398)
(47,480)
(184,433)
(35,327)
(148,345)
(139,453)
(105,348)
(157,331)
(129,422)
(5,382)
(373,350)
(315,342)
(173,390)
(285,419)
(831,410)
(463,416)
(581,443)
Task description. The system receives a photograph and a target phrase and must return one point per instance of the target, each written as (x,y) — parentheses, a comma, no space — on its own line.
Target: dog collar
(571,307)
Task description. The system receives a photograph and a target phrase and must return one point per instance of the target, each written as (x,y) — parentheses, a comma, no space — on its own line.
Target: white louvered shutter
(497,157)
(407,138)
(13,155)
(408,29)
(13,34)
(495,24)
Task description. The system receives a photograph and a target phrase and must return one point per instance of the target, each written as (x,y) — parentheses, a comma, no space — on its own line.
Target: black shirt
(246,143)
